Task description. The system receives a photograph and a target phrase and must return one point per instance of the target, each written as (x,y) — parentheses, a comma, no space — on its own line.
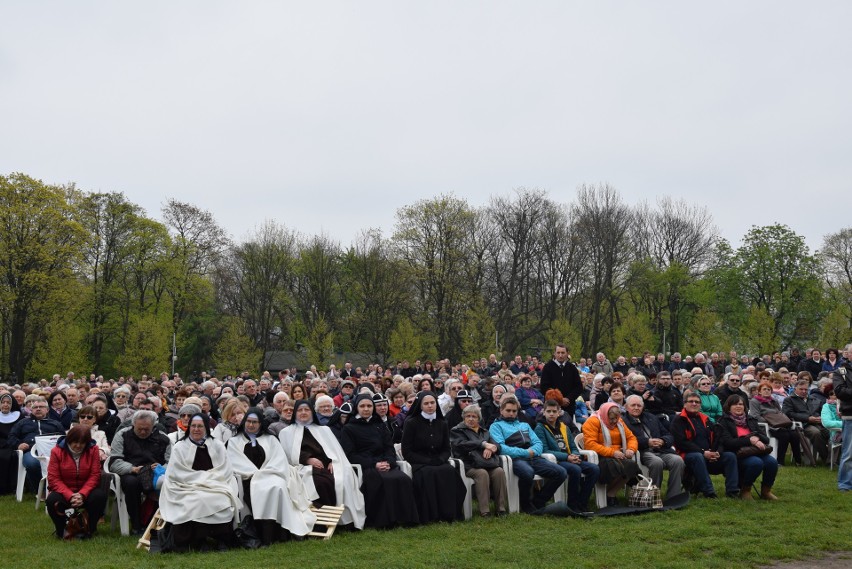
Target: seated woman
(438,487)
(491,407)
(616,395)
(764,403)
(86,417)
(557,440)
(199,493)
(476,448)
(232,418)
(710,404)
(606,434)
(9,415)
(531,400)
(57,404)
(738,431)
(271,487)
(185,413)
(320,461)
(74,477)
(388,492)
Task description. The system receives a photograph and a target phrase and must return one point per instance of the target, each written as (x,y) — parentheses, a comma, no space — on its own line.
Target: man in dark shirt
(559,373)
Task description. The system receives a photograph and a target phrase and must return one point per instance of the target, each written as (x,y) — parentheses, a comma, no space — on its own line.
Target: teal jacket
(711,406)
(550,444)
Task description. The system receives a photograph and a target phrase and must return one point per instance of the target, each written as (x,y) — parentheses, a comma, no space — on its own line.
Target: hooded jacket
(65,476)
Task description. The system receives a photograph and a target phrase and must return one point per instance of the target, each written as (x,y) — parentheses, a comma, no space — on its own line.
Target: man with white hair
(134,450)
(655,446)
(601,365)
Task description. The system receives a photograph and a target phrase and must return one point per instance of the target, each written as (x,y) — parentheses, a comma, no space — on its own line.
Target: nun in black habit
(438,486)
(388,492)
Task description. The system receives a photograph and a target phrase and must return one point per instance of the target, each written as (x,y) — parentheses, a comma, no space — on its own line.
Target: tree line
(92,283)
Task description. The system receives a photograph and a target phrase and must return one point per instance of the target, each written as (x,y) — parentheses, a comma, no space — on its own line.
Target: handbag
(76,523)
(645,494)
(777,420)
(751,450)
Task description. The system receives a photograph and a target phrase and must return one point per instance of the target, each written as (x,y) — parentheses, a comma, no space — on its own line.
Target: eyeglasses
(455,389)
(86,417)
(693,402)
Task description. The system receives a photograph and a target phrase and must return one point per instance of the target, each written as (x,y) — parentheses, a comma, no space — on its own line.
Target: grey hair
(472,408)
(634,396)
(322,399)
(144,414)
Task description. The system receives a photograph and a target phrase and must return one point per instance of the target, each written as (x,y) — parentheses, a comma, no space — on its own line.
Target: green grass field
(811,516)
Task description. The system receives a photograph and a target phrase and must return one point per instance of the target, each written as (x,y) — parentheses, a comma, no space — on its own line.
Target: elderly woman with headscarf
(606,434)
(438,488)
(272,488)
(322,464)
(388,492)
(9,415)
(199,496)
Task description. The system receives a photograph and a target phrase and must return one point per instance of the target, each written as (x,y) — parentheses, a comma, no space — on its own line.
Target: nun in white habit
(322,465)
(199,495)
(272,487)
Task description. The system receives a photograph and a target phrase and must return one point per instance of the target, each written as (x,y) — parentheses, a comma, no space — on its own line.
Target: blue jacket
(502,430)
(549,441)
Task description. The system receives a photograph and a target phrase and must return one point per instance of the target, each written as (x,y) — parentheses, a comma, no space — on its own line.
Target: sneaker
(711,495)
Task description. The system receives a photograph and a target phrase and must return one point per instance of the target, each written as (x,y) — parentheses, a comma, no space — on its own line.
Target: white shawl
(277,492)
(345,482)
(206,496)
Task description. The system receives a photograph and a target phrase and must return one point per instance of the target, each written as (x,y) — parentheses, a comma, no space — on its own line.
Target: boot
(745,493)
(766,493)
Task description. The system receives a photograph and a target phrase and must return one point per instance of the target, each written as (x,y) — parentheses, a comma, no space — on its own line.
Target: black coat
(367,442)
(726,431)
(565,378)
(655,427)
(425,442)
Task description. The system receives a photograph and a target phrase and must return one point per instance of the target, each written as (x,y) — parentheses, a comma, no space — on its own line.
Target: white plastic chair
(119,507)
(41,452)
(22,476)
(592,457)
(468,486)
(512,491)
(772,440)
(832,446)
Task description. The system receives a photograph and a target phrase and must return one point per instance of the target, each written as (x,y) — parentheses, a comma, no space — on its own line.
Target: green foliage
(148,348)
(39,246)
(64,349)
(235,352)
(633,336)
(405,342)
(562,332)
(706,331)
(835,328)
(777,273)
(478,332)
(320,343)
(757,335)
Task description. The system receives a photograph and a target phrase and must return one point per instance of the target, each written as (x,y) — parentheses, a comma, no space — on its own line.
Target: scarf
(603,415)
(763,399)
(740,420)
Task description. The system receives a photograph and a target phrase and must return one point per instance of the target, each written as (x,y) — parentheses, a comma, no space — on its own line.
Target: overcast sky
(329,116)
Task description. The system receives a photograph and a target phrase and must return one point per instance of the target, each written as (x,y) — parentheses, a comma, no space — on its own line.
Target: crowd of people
(378,441)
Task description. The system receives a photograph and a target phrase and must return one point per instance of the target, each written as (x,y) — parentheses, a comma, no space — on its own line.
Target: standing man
(842,378)
(559,373)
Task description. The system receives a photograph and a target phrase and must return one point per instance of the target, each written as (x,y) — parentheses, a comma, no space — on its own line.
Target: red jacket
(64,477)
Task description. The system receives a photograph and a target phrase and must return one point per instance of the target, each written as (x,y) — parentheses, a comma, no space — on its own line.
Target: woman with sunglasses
(87,417)
(710,404)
